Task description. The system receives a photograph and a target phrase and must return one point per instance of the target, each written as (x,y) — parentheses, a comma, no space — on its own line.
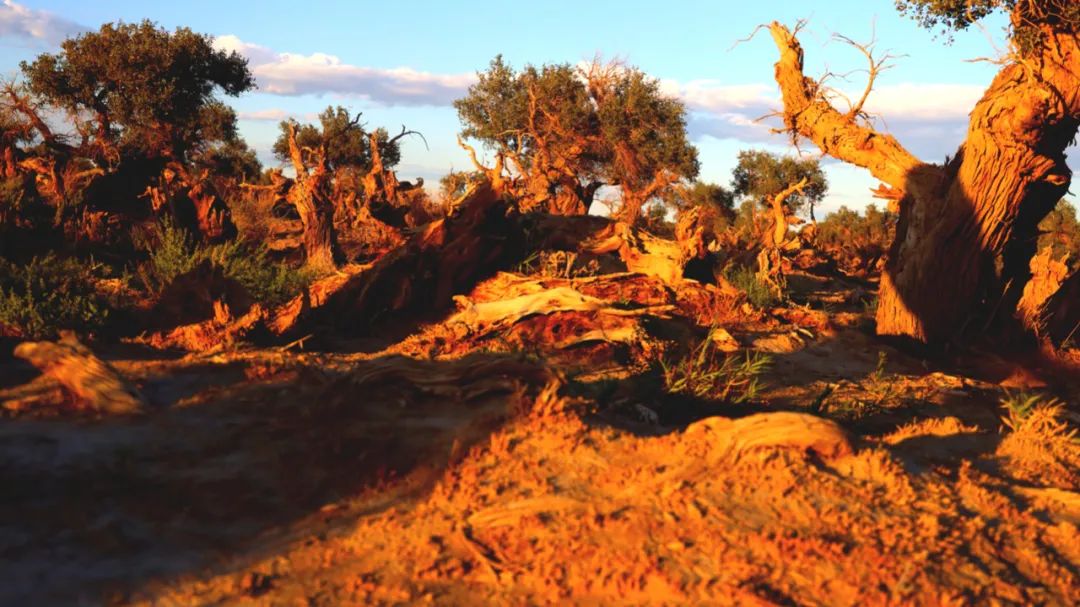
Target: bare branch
(808,114)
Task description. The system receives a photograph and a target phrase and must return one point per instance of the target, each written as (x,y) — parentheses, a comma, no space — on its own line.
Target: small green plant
(48,294)
(1038,442)
(879,370)
(172,252)
(1019,407)
(870,305)
(708,373)
(758,292)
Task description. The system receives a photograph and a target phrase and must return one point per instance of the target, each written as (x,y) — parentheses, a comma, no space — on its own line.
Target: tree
(564,132)
(310,194)
(760,175)
(704,194)
(967,229)
(1060,232)
(643,134)
(139,89)
(345,138)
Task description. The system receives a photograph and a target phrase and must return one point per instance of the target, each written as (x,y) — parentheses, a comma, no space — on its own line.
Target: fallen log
(89,379)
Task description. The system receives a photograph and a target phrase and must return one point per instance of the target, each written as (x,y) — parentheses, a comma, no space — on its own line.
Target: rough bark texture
(958,222)
(309,195)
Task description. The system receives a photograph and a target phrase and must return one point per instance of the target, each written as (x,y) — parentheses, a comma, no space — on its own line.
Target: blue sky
(403,62)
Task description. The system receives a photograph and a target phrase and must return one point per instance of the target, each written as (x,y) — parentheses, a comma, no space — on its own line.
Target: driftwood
(88,378)
(781,430)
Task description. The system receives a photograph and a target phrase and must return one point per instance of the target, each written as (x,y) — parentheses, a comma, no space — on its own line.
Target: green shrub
(758,292)
(709,373)
(173,252)
(50,293)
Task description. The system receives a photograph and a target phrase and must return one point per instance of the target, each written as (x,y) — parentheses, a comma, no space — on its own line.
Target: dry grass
(1039,445)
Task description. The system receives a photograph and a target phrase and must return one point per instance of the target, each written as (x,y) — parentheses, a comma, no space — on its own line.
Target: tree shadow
(115,506)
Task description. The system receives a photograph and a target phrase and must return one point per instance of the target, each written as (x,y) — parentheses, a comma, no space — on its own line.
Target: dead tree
(383,190)
(979,211)
(309,194)
(774,239)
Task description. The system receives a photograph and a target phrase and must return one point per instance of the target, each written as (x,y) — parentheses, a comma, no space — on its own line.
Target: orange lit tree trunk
(967,229)
(309,195)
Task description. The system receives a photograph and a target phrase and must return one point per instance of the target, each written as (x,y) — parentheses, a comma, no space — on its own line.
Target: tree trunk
(966,230)
(309,195)
(316,215)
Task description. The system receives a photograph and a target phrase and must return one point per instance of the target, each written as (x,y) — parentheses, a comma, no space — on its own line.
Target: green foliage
(345,138)
(1061,232)
(759,175)
(709,373)
(1026,16)
(643,131)
(172,252)
(759,293)
(233,160)
(706,195)
(149,89)
(607,125)
(1020,405)
(48,294)
(857,241)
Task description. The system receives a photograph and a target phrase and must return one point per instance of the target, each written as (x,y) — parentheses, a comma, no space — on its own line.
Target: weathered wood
(91,380)
(780,430)
(961,221)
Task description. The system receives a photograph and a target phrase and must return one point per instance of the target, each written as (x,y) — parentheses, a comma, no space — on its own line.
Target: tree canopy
(565,130)
(1027,16)
(143,88)
(760,174)
(345,137)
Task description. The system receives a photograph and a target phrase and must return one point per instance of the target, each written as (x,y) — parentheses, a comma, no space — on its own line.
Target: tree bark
(966,229)
(308,195)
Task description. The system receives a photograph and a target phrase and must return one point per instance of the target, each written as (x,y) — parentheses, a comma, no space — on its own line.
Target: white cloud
(18,21)
(320,73)
(271,115)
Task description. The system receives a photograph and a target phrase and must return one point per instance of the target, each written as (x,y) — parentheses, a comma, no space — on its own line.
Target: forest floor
(443,470)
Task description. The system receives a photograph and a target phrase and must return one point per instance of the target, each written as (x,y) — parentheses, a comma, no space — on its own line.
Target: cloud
(319,73)
(270,115)
(18,21)
(930,119)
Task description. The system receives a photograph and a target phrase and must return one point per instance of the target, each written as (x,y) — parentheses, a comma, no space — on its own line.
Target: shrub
(48,294)
(709,373)
(172,252)
(760,293)
(858,242)
(1039,444)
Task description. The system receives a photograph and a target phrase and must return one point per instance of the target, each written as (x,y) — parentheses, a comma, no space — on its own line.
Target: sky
(404,62)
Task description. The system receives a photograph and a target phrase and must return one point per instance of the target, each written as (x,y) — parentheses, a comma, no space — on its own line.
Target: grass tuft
(711,374)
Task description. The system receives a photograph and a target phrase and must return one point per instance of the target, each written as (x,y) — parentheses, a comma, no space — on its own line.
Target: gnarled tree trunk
(966,229)
(309,195)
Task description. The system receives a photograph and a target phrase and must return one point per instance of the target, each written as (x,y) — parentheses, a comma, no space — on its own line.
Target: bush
(48,294)
(858,242)
(1038,443)
(758,292)
(172,252)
